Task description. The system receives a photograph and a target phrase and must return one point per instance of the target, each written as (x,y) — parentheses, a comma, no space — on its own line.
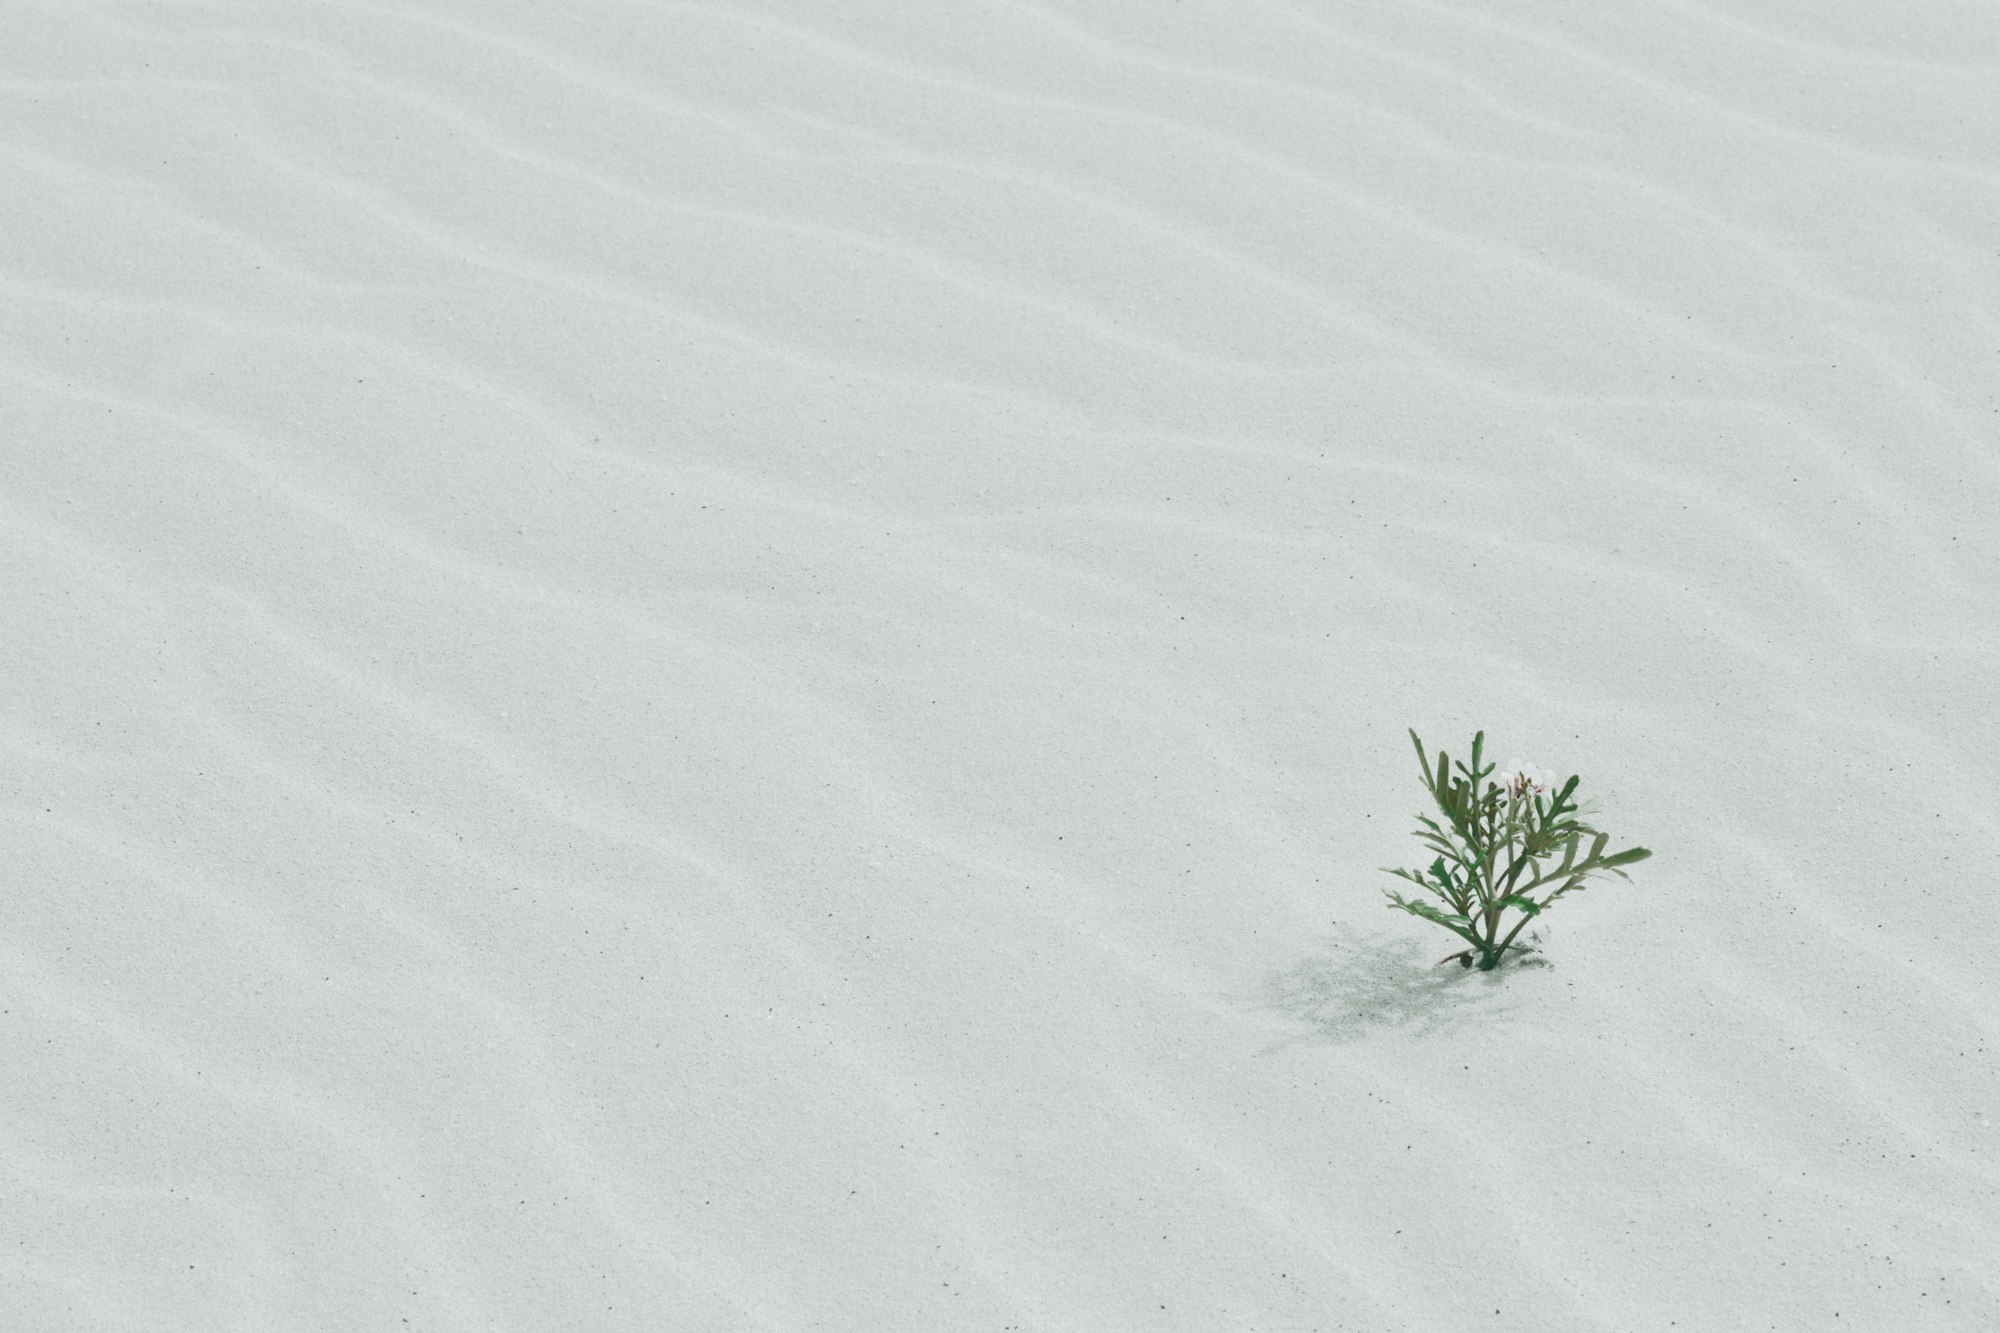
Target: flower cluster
(1520,778)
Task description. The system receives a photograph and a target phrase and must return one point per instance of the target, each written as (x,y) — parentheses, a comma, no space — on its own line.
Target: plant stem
(1515,931)
(1491,906)
(1494,903)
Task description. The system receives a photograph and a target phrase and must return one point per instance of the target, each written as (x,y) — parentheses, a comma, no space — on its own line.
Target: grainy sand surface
(746,666)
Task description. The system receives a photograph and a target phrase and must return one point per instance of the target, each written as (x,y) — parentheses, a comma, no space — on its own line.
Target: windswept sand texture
(745,666)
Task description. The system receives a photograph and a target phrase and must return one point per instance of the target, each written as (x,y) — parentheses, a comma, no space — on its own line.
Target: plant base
(1486,961)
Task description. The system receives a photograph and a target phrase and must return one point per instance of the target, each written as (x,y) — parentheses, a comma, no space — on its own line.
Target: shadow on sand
(1357,985)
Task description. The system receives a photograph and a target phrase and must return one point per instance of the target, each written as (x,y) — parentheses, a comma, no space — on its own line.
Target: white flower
(1520,778)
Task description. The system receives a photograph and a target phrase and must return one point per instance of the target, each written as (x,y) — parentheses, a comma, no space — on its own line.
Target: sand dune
(712,667)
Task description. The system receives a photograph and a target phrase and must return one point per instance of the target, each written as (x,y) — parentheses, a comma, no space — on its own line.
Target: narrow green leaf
(1528,905)
(1457,925)
(1417,878)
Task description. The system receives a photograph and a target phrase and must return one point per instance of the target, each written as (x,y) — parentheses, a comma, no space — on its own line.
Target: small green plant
(1491,859)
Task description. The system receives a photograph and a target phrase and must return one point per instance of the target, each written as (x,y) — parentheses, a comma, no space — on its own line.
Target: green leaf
(1626,857)
(1457,925)
(1451,857)
(1416,877)
(1528,905)
(1435,834)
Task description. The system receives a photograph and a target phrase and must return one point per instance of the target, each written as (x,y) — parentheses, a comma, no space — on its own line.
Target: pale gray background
(745,666)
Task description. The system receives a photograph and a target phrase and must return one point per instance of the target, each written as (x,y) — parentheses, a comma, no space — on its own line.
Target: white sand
(745,666)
